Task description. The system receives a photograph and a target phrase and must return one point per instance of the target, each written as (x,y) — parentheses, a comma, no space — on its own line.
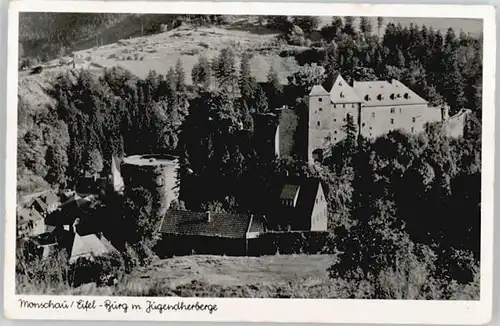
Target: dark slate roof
(289,191)
(307,193)
(221,224)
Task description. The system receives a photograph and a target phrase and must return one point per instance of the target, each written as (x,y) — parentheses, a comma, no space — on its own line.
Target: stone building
(156,173)
(376,107)
(300,205)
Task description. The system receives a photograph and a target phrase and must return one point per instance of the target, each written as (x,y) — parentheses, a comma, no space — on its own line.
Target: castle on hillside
(376,107)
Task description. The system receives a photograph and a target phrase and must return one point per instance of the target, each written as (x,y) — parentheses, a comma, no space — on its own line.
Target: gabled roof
(50,198)
(342,92)
(42,199)
(307,188)
(381,92)
(222,225)
(318,90)
(89,246)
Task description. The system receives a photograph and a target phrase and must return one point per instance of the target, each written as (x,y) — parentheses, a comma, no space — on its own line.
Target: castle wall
(379,120)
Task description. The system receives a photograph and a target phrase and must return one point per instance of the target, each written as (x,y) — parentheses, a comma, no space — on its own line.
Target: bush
(296,36)
(190,52)
(204,45)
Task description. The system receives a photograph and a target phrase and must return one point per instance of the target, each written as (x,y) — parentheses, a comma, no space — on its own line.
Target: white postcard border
(267,310)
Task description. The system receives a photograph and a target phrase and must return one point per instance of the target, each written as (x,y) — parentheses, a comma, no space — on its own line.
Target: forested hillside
(401,206)
(45,36)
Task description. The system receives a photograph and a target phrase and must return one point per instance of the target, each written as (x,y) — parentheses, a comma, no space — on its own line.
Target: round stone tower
(157,173)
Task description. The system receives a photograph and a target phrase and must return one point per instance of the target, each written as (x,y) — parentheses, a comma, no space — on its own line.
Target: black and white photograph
(249,156)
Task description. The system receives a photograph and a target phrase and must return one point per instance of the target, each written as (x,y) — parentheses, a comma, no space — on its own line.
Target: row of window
(413,120)
(393,110)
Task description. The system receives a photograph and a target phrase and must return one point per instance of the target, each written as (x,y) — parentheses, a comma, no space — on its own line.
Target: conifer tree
(224,68)
(201,73)
(180,77)
(349,28)
(380,24)
(275,89)
(247,82)
(350,130)
(260,100)
(365,26)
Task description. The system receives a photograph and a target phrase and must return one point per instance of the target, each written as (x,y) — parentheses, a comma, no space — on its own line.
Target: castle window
(413,120)
(342,95)
(367,97)
(392,121)
(318,123)
(320,109)
(406,96)
(392,96)
(380,97)
(343,105)
(353,106)
(335,132)
(334,106)
(393,110)
(363,124)
(412,129)
(334,120)
(373,114)
(320,99)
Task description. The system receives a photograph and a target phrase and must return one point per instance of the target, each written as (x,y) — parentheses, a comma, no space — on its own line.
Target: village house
(109,180)
(186,232)
(30,222)
(300,205)
(88,246)
(44,202)
(32,211)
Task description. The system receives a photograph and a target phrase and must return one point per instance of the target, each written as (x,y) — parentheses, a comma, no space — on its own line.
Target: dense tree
(224,69)
(281,23)
(365,26)
(349,28)
(305,78)
(307,23)
(247,82)
(380,24)
(180,77)
(94,162)
(274,89)
(260,100)
(201,73)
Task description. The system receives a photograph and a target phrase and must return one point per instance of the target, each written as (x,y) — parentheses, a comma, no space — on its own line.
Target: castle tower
(319,111)
(445,112)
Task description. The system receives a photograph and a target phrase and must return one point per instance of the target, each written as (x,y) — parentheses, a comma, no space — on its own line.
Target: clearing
(298,276)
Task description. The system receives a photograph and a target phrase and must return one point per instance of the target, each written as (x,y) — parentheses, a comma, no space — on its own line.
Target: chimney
(445,112)
(208,218)
(75,225)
